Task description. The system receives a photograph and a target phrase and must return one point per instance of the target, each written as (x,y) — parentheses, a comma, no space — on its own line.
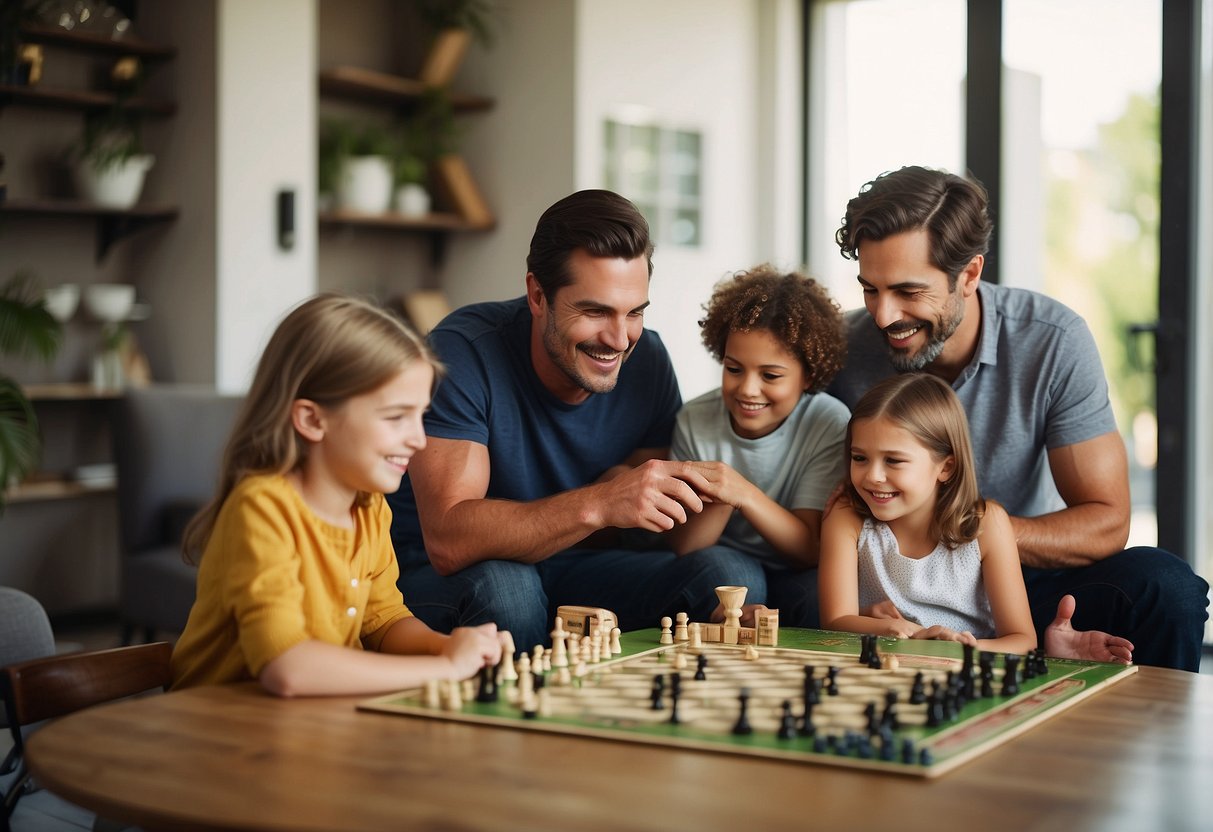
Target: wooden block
(768,627)
(581,621)
(459,190)
(729,635)
(746,635)
(711,633)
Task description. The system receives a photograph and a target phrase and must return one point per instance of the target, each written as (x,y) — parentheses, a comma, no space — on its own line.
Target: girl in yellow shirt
(297,578)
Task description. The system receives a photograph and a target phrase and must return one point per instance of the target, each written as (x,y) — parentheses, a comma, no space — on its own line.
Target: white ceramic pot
(365,185)
(118,186)
(412,200)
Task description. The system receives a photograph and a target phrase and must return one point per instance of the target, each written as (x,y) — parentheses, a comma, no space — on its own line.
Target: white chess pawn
(432,699)
(508,672)
(560,655)
(454,701)
(696,637)
(680,660)
(616,647)
(667,634)
(537,659)
(596,646)
(585,649)
(680,629)
(524,668)
(751,653)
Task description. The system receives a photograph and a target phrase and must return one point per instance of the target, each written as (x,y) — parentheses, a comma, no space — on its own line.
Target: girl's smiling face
(761,383)
(893,472)
(370,438)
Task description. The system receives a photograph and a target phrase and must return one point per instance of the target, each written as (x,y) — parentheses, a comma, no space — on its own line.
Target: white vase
(412,200)
(365,185)
(117,186)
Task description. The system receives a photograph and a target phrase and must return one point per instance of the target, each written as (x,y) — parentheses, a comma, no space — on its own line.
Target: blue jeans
(1149,596)
(638,586)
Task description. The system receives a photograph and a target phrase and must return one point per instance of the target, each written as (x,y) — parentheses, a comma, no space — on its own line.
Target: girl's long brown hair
(928,409)
(328,349)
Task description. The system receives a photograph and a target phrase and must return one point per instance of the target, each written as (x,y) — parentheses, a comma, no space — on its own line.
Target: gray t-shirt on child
(1034,384)
(797,465)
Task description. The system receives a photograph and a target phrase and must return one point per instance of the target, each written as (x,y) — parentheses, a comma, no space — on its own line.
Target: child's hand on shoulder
(471,648)
(938,632)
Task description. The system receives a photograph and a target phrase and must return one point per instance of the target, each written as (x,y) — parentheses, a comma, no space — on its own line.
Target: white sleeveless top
(944,587)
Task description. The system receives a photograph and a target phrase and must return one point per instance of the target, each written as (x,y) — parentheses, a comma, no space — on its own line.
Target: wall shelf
(55,489)
(69,392)
(87,100)
(112,223)
(87,42)
(399,222)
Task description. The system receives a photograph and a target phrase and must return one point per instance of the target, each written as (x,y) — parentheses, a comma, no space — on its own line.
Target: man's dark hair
(953,210)
(601,222)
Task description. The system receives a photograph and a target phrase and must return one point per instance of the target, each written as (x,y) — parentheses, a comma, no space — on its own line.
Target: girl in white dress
(917,547)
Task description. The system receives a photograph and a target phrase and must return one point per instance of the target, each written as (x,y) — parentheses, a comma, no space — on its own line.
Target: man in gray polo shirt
(1027,371)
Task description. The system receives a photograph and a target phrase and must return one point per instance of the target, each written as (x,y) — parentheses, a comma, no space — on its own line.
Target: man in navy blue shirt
(548,446)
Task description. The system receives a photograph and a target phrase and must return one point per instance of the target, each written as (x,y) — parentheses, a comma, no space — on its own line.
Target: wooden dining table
(1137,756)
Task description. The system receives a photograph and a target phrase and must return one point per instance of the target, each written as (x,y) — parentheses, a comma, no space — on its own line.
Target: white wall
(521,152)
(692,64)
(266,124)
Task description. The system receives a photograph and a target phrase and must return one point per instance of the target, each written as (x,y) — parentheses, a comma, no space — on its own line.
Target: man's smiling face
(590,326)
(909,298)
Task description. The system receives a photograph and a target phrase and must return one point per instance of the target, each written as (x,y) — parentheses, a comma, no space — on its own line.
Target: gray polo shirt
(1035,383)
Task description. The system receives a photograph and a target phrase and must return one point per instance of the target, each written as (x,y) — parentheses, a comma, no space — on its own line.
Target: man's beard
(554,345)
(938,334)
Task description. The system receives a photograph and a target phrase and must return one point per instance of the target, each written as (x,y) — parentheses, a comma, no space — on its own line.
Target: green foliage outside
(1119,179)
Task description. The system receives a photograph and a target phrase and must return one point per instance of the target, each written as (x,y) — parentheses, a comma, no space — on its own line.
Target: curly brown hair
(796,309)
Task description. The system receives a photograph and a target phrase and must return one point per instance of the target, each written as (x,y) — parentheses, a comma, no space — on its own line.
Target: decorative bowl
(109,302)
(61,301)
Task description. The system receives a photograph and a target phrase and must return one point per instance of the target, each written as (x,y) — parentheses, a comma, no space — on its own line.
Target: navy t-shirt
(538,445)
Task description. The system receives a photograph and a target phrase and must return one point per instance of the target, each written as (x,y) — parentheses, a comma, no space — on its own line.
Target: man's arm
(1093,479)
(462,526)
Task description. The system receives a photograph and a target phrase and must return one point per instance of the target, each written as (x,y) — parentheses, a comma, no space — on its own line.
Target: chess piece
(731,598)
(696,637)
(700,664)
(616,647)
(508,672)
(667,634)
(743,727)
(680,628)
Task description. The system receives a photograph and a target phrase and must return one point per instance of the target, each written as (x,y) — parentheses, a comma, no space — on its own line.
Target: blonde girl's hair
(926,407)
(328,349)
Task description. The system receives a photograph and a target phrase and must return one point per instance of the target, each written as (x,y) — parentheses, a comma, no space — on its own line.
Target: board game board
(852,727)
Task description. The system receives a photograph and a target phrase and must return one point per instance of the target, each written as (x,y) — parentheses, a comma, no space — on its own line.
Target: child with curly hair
(769,440)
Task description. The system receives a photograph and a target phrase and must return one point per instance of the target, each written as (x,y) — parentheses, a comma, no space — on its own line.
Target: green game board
(614,701)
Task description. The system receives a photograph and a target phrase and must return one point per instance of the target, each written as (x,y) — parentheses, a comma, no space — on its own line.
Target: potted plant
(412,199)
(108,162)
(27,329)
(364,154)
(455,24)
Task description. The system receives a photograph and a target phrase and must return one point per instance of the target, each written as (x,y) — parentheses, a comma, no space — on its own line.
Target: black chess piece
(787,722)
(743,728)
(487,692)
(865,648)
(675,694)
(832,681)
(657,692)
(1010,675)
(700,664)
(917,690)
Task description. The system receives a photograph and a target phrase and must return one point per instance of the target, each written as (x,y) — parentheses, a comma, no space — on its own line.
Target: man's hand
(1064,642)
(725,485)
(655,495)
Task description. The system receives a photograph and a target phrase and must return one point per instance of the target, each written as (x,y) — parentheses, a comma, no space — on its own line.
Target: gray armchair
(168,445)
